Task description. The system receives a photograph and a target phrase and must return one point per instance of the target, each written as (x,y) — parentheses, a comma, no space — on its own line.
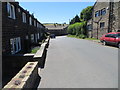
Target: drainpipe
(110,18)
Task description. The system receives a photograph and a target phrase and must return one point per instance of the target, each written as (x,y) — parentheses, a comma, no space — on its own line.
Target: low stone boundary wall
(12,64)
(41,55)
(26,78)
(47,41)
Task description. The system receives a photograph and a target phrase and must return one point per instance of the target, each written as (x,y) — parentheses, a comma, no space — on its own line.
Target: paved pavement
(76,63)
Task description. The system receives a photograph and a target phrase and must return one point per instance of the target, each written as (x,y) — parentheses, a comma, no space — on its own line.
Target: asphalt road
(76,63)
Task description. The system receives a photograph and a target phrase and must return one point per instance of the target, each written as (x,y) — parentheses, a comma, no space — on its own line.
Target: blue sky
(55,12)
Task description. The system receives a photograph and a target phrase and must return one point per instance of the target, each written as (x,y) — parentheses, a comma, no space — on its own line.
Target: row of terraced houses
(20,29)
(105,18)
(21,32)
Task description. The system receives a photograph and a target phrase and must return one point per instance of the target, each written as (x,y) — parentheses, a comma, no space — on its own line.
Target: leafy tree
(75,19)
(86,13)
(78,29)
(78,25)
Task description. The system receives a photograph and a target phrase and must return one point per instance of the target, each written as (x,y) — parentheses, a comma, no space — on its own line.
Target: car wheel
(104,43)
(119,45)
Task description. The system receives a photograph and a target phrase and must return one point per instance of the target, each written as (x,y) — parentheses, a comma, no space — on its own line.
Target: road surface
(76,63)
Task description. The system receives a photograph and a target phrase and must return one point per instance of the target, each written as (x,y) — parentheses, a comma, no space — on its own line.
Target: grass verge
(74,36)
(34,50)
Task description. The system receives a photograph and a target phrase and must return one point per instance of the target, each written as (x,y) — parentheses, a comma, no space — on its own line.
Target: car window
(113,35)
(108,35)
(118,35)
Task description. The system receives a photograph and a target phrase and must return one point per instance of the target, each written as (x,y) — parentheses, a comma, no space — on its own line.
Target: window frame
(11,11)
(15,45)
(96,13)
(30,20)
(24,19)
(103,11)
(101,25)
(38,36)
(32,38)
(35,23)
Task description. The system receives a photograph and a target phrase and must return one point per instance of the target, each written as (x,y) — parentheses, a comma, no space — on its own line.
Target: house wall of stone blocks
(20,32)
(99,19)
(13,28)
(111,19)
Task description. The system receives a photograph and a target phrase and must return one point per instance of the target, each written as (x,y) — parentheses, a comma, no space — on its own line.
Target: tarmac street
(78,63)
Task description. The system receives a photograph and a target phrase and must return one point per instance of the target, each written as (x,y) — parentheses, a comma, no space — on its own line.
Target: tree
(75,19)
(86,13)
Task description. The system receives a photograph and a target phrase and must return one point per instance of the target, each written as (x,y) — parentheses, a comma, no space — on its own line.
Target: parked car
(52,36)
(112,38)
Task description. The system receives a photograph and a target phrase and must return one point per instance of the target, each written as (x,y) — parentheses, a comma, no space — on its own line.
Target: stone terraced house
(105,19)
(21,32)
(20,29)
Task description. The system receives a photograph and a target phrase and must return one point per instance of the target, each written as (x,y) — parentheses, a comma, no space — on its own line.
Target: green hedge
(78,29)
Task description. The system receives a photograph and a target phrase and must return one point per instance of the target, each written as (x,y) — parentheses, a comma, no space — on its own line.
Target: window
(100,12)
(24,17)
(37,24)
(102,24)
(41,34)
(113,35)
(26,37)
(19,43)
(30,21)
(32,38)
(96,13)
(34,23)
(118,35)
(19,10)
(103,11)
(15,45)
(89,27)
(11,11)
(38,36)
(108,35)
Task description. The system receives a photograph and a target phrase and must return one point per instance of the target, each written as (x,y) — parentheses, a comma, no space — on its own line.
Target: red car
(112,38)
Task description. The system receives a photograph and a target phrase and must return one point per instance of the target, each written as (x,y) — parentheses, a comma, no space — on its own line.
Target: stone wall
(99,19)
(26,78)
(13,28)
(116,17)
(12,64)
(111,19)
(90,22)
